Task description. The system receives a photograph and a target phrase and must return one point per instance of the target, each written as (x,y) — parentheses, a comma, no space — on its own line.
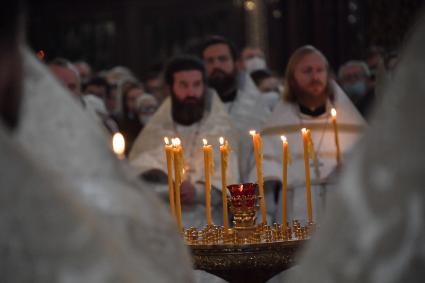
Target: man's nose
(190,92)
(314,75)
(216,65)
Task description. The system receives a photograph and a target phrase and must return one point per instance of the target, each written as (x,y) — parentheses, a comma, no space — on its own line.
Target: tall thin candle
(224,154)
(178,168)
(207,169)
(256,139)
(335,125)
(284,182)
(305,134)
(169,156)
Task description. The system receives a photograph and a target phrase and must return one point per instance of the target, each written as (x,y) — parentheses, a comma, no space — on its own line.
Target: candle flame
(252,132)
(221,141)
(304,130)
(205,141)
(166,140)
(41,55)
(118,143)
(283,138)
(177,141)
(333,112)
(241,188)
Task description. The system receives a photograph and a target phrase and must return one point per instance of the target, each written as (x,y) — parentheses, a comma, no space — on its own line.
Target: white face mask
(254,64)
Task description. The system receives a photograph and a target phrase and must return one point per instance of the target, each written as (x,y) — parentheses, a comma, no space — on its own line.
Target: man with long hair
(309,95)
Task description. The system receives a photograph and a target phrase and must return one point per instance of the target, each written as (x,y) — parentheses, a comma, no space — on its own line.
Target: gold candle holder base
(247,252)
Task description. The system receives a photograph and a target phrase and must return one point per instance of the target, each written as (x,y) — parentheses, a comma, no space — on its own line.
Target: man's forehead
(313,58)
(188,75)
(216,50)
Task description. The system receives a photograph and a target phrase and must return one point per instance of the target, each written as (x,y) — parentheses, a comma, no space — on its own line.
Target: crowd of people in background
(217,83)
(125,102)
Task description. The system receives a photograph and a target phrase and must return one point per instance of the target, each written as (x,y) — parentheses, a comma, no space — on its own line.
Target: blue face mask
(357,89)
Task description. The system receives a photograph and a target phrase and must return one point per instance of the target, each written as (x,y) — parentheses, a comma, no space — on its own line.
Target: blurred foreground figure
(83,218)
(374,230)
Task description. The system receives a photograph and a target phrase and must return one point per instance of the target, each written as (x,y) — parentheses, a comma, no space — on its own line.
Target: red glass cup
(243,194)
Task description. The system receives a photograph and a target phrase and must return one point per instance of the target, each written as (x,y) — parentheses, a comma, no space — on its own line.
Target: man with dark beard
(192,113)
(309,95)
(238,93)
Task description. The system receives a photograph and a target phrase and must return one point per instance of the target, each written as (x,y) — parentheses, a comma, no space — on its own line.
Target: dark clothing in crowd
(130,128)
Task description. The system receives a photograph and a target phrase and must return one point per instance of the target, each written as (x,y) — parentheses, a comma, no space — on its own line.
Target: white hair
(354,63)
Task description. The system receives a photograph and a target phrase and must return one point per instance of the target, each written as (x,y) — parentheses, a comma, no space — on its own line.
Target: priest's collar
(313,112)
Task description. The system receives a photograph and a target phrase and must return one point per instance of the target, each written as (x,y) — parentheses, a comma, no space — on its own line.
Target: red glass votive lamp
(243,195)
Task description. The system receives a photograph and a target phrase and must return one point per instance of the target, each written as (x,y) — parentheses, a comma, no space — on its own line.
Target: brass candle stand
(257,234)
(247,252)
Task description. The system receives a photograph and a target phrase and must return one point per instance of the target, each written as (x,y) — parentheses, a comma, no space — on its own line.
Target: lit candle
(224,154)
(169,156)
(284,181)
(178,168)
(256,139)
(118,145)
(338,151)
(306,141)
(208,169)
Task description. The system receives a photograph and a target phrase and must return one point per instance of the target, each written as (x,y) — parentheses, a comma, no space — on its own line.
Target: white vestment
(57,132)
(287,120)
(373,230)
(248,112)
(148,153)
